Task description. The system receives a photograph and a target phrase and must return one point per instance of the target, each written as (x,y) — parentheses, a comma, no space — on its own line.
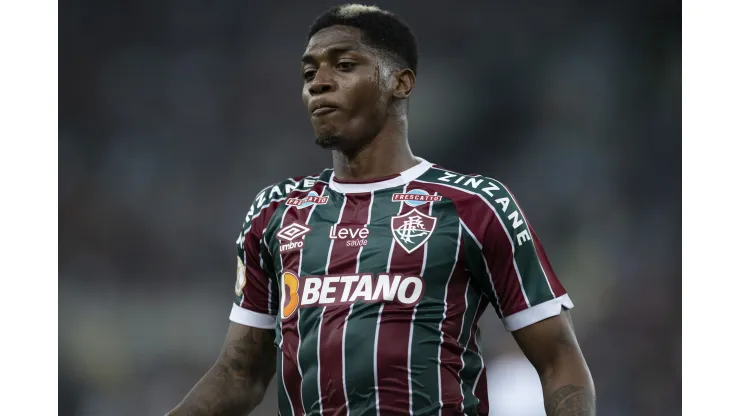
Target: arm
(552,348)
(525,292)
(236,383)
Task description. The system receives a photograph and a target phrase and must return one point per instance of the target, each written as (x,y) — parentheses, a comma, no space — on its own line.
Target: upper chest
(391,231)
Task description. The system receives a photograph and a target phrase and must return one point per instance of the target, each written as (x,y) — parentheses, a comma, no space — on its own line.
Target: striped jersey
(375,289)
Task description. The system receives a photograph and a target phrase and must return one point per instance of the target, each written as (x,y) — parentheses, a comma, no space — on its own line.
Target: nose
(322,82)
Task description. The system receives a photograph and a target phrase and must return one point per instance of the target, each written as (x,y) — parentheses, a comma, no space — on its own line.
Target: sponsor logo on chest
(315,291)
(311,199)
(291,236)
(416,197)
(352,235)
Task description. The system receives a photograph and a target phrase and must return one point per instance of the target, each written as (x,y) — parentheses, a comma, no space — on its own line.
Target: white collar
(404,177)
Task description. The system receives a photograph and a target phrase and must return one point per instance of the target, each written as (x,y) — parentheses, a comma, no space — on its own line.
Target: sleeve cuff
(537,313)
(251,318)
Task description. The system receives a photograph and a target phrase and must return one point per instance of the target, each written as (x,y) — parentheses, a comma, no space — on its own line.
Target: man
(362,287)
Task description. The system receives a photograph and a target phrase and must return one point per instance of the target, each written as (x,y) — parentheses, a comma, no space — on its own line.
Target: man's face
(345,88)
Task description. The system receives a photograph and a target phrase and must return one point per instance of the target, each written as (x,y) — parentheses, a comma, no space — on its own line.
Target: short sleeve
(256,301)
(519,277)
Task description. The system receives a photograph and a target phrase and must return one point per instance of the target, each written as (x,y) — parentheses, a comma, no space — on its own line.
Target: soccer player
(361,287)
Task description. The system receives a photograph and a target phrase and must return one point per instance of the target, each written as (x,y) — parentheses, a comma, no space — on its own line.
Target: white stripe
(413,318)
(298,312)
(403,178)
(459,341)
(351,308)
(537,313)
(408,364)
(506,231)
(479,352)
(279,317)
(485,263)
(444,316)
(251,318)
(531,235)
(298,317)
(375,359)
(323,309)
(380,315)
(269,285)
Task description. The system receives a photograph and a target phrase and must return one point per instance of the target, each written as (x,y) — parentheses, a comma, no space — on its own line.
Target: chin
(328,141)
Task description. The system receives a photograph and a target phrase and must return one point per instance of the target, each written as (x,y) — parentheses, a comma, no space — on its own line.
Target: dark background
(174,113)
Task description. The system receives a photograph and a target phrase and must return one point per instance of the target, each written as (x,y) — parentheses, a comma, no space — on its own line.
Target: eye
(308,74)
(346,65)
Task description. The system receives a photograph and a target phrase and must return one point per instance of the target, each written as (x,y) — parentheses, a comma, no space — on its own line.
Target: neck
(387,154)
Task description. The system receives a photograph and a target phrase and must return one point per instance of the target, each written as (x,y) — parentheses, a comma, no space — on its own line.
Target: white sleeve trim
(251,318)
(537,313)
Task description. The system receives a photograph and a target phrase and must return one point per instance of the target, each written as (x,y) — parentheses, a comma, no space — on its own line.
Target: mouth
(323,109)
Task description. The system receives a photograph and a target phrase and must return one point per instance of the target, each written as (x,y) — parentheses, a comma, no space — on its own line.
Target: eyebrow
(331,51)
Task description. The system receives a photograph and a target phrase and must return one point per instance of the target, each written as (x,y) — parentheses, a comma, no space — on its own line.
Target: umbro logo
(292,232)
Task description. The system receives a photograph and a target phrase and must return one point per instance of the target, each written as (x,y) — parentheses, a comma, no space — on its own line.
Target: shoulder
(268,198)
(481,202)
(465,187)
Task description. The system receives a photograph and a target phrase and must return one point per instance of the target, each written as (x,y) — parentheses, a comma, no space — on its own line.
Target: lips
(322,107)
(323,110)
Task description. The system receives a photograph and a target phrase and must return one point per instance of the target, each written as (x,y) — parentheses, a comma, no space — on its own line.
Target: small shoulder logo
(311,199)
(412,229)
(292,232)
(241,276)
(416,197)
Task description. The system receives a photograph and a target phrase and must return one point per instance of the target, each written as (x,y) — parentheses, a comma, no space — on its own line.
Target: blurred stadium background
(174,113)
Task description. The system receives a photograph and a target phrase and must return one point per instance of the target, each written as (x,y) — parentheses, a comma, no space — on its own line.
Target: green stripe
(361,325)
(494,195)
(275,262)
(533,277)
(283,401)
(471,361)
(284,404)
(440,261)
(270,230)
(478,271)
(315,254)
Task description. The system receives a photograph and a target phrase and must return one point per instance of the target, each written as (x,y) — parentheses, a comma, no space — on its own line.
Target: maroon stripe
(291,263)
(481,389)
(257,286)
(342,260)
(500,260)
(496,246)
(557,287)
(481,392)
(256,291)
(395,329)
(450,354)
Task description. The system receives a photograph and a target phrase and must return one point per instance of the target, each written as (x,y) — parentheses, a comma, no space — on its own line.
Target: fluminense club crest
(412,229)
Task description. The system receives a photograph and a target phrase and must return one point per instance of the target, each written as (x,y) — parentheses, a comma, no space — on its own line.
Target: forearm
(220,393)
(237,382)
(569,390)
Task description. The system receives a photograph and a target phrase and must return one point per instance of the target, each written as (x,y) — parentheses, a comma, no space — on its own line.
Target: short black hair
(381,29)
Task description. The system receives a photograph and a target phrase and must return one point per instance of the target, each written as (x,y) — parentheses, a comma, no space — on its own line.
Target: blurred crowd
(174,113)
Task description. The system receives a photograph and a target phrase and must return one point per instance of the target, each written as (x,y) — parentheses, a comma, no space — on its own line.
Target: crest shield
(412,229)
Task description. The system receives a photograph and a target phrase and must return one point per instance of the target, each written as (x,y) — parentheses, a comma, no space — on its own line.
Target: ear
(405,80)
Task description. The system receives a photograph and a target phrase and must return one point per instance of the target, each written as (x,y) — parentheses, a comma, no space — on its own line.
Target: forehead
(335,37)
